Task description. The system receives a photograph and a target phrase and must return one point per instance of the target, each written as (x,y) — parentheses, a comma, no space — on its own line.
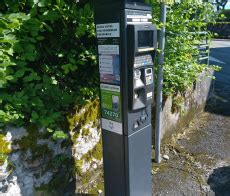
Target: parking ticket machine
(141,39)
(126,45)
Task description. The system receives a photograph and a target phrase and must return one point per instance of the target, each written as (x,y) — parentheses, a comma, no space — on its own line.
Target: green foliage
(59,135)
(226,14)
(47,61)
(4,149)
(221,28)
(184,22)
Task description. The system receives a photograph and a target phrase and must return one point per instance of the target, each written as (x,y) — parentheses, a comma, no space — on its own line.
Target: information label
(110,102)
(109,63)
(108,30)
(110,125)
(135,17)
(108,49)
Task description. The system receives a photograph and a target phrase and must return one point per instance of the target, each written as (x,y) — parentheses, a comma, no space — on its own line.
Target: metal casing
(126,152)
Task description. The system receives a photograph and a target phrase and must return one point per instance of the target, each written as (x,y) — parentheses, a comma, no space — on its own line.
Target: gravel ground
(199,157)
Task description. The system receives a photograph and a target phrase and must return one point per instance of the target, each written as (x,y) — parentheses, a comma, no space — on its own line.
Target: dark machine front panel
(126,45)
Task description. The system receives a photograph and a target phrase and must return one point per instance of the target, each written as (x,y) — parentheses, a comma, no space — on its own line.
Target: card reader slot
(145,49)
(138,81)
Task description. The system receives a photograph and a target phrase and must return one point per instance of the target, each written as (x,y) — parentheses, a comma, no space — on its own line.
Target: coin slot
(136,125)
(136,95)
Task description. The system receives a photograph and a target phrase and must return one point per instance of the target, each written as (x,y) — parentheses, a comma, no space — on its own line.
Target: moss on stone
(29,142)
(92,182)
(178,103)
(95,153)
(97,150)
(85,179)
(94,190)
(87,115)
(63,170)
(4,149)
(85,132)
(75,136)
(78,167)
(82,117)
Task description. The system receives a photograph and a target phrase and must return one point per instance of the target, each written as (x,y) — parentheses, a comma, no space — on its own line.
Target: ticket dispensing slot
(141,52)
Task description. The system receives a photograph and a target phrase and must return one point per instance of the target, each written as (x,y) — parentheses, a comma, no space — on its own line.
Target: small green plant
(4,149)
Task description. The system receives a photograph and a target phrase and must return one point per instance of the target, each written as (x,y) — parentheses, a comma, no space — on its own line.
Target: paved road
(199,161)
(220,55)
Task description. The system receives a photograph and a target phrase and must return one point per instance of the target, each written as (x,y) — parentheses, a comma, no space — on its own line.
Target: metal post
(158,126)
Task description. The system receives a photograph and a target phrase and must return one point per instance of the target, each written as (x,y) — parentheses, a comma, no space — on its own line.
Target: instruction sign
(108,30)
(134,17)
(110,125)
(110,102)
(109,63)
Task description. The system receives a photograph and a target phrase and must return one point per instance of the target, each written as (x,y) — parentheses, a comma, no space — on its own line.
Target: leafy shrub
(47,60)
(184,23)
(221,28)
(226,14)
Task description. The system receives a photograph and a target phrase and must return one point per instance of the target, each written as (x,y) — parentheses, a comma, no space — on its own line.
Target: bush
(184,23)
(226,14)
(47,60)
(221,28)
(48,57)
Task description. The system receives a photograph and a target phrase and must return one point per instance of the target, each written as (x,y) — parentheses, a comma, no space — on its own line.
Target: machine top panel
(123,1)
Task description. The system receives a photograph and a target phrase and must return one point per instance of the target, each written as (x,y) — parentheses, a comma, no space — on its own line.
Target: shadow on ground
(219,181)
(219,102)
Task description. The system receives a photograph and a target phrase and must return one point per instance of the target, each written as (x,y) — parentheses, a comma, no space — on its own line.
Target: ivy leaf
(51,15)
(49,28)
(34,116)
(31,77)
(43,3)
(10,77)
(20,73)
(59,135)
(50,130)
(40,38)
(68,67)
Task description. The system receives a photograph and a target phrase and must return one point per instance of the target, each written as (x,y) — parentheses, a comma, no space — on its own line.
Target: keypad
(143,60)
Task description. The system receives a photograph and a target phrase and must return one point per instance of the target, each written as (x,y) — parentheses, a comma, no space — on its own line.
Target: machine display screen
(145,39)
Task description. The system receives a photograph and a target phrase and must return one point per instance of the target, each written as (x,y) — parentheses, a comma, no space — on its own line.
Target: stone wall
(31,161)
(29,164)
(180,110)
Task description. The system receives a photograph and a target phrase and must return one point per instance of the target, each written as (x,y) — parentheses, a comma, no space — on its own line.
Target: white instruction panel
(106,64)
(137,16)
(112,126)
(108,30)
(109,63)
(108,59)
(108,49)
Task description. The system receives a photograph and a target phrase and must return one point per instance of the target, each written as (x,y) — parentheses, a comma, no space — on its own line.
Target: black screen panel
(145,39)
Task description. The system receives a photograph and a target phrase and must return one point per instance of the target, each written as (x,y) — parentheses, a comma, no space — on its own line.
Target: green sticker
(110,102)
